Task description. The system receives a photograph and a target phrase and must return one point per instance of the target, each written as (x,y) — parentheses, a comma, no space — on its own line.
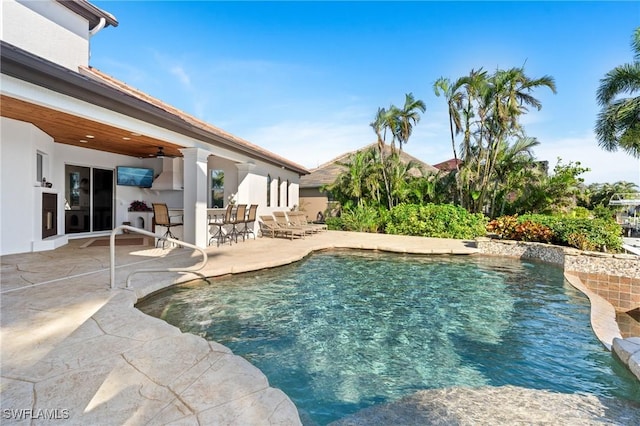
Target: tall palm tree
(454,99)
(503,101)
(618,124)
(407,117)
(380,125)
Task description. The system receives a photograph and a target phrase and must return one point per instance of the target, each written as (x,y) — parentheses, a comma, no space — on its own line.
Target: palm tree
(618,124)
(513,166)
(503,100)
(407,117)
(380,126)
(359,182)
(454,99)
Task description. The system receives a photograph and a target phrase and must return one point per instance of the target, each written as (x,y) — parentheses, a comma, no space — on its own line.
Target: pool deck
(74,347)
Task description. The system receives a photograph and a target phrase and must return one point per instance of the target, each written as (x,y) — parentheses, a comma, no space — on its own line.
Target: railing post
(112,255)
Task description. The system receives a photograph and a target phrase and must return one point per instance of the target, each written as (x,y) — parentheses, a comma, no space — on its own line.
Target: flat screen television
(134,176)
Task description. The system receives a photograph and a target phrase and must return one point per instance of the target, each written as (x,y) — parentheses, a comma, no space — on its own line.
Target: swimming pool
(341,331)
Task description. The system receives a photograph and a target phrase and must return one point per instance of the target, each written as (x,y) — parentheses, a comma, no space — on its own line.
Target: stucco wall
(615,277)
(46,29)
(19,213)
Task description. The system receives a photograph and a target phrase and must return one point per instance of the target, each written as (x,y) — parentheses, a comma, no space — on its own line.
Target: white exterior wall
(46,29)
(18,143)
(20,194)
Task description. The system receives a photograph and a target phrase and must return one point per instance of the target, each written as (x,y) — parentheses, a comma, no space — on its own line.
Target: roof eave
(22,65)
(89,12)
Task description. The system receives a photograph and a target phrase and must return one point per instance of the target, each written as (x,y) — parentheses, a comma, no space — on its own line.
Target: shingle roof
(447,166)
(214,131)
(328,172)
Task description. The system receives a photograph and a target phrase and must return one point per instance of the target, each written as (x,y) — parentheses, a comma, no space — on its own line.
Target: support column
(246,193)
(195,196)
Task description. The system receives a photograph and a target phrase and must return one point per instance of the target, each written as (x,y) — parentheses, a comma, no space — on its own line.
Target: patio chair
(220,235)
(269,227)
(298,218)
(162,218)
(283,221)
(237,219)
(249,222)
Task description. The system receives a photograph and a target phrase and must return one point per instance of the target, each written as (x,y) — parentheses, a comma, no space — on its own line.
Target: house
(314,201)
(72,138)
(449,165)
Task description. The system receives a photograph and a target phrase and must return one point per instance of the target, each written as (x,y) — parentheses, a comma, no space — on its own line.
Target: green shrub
(595,234)
(360,219)
(504,226)
(334,223)
(511,228)
(431,220)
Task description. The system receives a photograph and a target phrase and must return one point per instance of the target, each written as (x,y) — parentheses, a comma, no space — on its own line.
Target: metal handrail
(112,254)
(625,199)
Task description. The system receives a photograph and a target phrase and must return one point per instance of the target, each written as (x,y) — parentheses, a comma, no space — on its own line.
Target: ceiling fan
(160,153)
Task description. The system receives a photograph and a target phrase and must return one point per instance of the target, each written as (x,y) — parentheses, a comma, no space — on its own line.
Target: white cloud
(182,75)
(312,143)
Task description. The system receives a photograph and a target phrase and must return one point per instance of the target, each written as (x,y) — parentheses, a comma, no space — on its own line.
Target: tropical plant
(555,193)
(618,123)
(601,234)
(431,220)
(407,117)
(363,218)
(486,109)
(399,124)
(454,99)
(599,194)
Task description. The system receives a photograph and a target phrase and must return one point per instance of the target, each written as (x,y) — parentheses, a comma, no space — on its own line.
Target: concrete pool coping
(71,344)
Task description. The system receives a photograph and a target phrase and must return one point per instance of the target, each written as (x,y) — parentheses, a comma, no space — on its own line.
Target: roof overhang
(89,12)
(33,69)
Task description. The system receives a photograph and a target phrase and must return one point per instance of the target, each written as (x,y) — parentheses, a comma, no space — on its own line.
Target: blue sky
(305,79)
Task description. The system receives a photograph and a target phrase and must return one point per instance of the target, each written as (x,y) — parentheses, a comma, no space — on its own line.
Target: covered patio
(88,122)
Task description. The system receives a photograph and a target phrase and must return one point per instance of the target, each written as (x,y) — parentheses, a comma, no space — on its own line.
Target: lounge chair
(298,218)
(283,221)
(269,227)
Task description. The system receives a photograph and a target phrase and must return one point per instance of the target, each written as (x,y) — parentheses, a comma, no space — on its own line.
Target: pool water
(342,331)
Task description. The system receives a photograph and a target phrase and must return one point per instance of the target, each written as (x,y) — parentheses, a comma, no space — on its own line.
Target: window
(217,188)
(279,191)
(42,166)
(268,190)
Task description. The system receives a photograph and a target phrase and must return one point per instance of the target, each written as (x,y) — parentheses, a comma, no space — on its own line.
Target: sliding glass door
(88,199)
(102,200)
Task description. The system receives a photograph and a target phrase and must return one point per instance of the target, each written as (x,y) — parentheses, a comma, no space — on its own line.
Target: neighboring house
(449,165)
(67,130)
(313,200)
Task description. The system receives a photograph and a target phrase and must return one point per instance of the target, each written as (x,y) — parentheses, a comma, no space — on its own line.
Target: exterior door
(88,199)
(102,200)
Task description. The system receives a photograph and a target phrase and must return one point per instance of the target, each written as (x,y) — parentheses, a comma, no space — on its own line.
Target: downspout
(93,31)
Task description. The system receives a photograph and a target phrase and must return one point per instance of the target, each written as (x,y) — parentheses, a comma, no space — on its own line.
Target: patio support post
(195,196)
(245,193)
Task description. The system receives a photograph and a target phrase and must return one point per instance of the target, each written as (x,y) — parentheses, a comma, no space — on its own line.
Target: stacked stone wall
(615,277)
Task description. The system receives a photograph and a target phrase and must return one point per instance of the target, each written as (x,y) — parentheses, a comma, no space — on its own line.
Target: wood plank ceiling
(84,133)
